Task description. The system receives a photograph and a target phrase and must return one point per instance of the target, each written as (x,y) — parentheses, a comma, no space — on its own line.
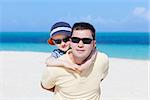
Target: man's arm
(51,89)
(48,80)
(105,66)
(104,74)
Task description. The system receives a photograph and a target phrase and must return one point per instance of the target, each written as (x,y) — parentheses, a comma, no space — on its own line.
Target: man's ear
(94,43)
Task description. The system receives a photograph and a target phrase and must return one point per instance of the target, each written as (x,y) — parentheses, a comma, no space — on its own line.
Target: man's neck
(78,61)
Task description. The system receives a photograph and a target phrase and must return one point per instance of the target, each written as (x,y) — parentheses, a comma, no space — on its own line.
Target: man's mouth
(80,50)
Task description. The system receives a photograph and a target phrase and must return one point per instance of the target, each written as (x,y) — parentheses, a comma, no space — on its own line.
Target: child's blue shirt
(57,53)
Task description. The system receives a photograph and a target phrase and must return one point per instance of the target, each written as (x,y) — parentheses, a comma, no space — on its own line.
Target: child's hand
(79,68)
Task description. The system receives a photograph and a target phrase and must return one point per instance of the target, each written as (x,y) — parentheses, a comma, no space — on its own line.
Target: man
(72,84)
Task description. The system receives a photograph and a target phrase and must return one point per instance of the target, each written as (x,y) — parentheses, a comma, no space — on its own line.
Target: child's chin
(65,49)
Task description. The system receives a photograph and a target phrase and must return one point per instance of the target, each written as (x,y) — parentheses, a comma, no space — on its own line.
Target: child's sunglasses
(84,40)
(59,41)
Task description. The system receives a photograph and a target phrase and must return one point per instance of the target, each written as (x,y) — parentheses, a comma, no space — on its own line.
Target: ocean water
(120,45)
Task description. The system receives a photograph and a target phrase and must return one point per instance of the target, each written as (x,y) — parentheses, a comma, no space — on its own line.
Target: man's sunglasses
(84,40)
(58,41)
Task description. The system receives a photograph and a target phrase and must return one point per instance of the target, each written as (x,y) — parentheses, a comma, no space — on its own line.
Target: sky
(105,15)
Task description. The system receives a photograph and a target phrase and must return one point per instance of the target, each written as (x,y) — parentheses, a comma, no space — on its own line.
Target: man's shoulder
(102,61)
(102,55)
(102,58)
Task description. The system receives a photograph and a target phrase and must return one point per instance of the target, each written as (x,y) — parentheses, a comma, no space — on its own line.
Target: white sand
(20,74)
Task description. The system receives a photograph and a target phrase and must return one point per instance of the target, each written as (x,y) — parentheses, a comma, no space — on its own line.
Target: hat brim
(63,32)
(50,41)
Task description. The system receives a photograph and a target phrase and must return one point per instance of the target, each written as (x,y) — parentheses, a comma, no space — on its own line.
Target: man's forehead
(81,33)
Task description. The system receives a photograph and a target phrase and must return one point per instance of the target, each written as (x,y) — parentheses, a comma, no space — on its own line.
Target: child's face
(61,41)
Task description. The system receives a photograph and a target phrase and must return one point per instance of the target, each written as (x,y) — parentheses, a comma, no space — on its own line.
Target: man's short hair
(83,26)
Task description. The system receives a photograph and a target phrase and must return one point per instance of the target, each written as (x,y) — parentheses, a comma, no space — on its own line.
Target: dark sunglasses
(84,40)
(58,41)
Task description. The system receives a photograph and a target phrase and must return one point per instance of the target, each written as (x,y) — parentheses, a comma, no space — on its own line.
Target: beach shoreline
(20,74)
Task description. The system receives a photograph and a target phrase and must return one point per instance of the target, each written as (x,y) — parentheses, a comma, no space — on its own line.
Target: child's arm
(51,61)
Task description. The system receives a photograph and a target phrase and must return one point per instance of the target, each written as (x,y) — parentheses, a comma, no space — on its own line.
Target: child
(59,36)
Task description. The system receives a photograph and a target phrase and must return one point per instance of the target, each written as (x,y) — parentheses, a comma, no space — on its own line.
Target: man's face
(82,43)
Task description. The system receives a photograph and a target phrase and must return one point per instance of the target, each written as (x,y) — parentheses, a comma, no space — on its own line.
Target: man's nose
(80,44)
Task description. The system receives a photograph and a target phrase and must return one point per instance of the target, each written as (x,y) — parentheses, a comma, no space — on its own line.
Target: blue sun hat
(59,28)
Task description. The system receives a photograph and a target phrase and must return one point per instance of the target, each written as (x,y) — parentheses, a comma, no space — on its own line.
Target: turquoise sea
(121,45)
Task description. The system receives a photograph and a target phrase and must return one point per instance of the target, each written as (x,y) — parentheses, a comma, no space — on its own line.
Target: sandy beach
(20,74)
